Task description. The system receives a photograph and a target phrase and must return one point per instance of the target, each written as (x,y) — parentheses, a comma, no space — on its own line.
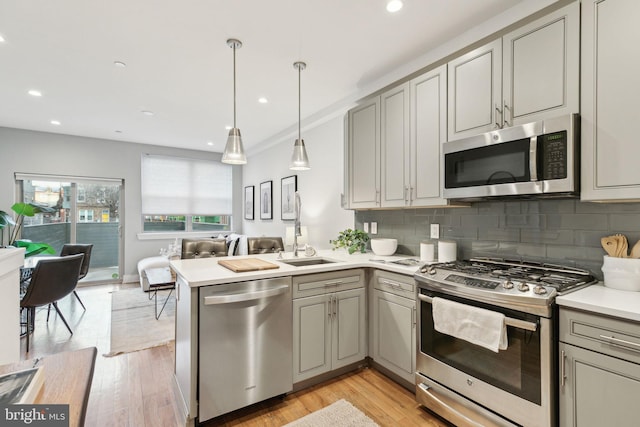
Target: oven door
(515,383)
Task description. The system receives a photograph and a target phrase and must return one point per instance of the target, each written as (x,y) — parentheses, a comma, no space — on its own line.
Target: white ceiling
(180,67)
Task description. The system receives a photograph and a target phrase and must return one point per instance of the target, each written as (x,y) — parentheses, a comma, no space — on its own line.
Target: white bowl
(384,247)
(621,273)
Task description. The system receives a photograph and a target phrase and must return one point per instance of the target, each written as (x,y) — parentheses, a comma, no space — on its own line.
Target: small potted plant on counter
(351,240)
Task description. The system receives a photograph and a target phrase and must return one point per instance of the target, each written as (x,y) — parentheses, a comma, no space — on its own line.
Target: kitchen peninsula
(332,286)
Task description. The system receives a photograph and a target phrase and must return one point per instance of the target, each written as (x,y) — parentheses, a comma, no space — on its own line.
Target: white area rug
(338,414)
(133,323)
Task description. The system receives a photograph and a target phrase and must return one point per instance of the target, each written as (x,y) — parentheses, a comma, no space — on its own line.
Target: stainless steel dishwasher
(245,344)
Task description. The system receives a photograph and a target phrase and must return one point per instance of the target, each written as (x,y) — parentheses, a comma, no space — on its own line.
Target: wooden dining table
(67,380)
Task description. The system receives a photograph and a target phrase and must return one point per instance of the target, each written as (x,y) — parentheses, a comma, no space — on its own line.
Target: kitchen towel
(478,326)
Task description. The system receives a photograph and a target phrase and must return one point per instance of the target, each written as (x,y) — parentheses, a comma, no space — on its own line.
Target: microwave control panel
(554,155)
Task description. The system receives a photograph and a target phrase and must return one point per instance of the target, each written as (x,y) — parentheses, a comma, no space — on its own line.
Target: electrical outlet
(365,227)
(435,231)
(374,228)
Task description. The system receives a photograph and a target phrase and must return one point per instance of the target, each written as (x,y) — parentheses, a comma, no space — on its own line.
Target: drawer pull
(392,283)
(334,283)
(621,343)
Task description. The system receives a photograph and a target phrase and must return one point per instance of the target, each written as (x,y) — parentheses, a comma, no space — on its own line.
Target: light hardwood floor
(134,389)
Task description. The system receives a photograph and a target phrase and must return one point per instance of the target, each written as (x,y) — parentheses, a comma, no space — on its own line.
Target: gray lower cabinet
(393,323)
(599,370)
(329,329)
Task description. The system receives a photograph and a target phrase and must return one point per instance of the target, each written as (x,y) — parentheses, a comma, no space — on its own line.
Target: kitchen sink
(301,262)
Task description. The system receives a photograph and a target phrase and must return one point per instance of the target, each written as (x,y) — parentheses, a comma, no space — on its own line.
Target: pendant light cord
(299,102)
(234,85)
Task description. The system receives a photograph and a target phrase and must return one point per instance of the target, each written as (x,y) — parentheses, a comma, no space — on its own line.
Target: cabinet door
(394,340)
(428,96)
(598,390)
(610,94)
(364,155)
(541,68)
(394,142)
(311,336)
(475,91)
(349,328)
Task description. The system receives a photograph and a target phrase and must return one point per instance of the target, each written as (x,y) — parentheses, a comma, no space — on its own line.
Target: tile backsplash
(565,231)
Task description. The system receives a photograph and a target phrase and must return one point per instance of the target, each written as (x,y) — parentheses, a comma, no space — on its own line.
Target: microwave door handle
(533,158)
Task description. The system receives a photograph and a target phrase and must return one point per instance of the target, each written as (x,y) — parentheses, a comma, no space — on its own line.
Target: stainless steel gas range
(471,385)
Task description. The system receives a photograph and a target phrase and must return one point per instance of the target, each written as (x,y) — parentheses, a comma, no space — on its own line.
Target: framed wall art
(266,200)
(288,188)
(248,202)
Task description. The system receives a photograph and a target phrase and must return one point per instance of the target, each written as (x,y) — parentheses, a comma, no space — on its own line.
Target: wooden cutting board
(247,264)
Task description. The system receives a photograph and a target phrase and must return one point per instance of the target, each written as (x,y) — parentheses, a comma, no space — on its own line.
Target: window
(85,215)
(180,194)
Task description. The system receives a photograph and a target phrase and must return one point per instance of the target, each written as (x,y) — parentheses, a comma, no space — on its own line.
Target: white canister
(446,251)
(427,252)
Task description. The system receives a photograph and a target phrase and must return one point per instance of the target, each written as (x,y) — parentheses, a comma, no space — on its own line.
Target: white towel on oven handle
(476,325)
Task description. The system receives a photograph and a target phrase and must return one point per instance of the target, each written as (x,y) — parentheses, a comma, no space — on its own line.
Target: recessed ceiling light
(34,92)
(147,112)
(119,64)
(263,100)
(1,39)
(55,122)
(394,6)
(117,131)
(210,143)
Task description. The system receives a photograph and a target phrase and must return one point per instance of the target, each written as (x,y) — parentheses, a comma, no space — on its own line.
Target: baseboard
(130,278)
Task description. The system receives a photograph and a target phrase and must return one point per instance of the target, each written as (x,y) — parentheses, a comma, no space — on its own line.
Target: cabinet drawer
(321,283)
(397,284)
(615,337)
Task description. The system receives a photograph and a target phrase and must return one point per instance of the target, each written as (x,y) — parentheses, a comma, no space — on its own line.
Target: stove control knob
(431,270)
(539,290)
(507,284)
(523,287)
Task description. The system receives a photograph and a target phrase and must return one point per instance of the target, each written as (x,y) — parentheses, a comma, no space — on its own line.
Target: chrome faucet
(296,229)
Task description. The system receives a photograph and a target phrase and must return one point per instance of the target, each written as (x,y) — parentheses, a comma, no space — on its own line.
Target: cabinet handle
(495,117)
(415,317)
(333,283)
(329,312)
(406,194)
(411,195)
(621,343)
(335,306)
(563,374)
(506,108)
(377,197)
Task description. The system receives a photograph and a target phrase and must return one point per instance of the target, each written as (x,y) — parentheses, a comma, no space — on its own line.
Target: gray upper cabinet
(394,156)
(428,119)
(527,75)
(475,91)
(363,151)
(610,93)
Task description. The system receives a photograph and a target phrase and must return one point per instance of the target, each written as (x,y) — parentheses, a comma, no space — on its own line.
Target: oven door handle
(509,321)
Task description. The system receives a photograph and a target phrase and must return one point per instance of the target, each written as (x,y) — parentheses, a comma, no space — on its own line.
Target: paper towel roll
(427,252)
(446,251)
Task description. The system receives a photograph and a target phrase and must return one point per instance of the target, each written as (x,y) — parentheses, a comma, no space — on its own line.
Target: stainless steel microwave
(539,159)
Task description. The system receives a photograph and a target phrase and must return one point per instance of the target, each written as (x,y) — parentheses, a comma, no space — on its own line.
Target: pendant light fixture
(299,159)
(233,151)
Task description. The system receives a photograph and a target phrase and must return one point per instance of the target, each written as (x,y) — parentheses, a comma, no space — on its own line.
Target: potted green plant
(352,240)
(22,210)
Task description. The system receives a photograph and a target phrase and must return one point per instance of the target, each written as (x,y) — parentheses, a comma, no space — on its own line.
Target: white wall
(55,154)
(320,187)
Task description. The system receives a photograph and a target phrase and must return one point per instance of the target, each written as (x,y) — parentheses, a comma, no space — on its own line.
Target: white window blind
(181,186)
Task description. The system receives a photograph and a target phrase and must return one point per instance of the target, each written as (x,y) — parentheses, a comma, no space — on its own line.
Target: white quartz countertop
(207,271)
(602,300)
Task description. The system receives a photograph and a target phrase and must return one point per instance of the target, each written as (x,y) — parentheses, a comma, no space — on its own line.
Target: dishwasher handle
(245,296)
